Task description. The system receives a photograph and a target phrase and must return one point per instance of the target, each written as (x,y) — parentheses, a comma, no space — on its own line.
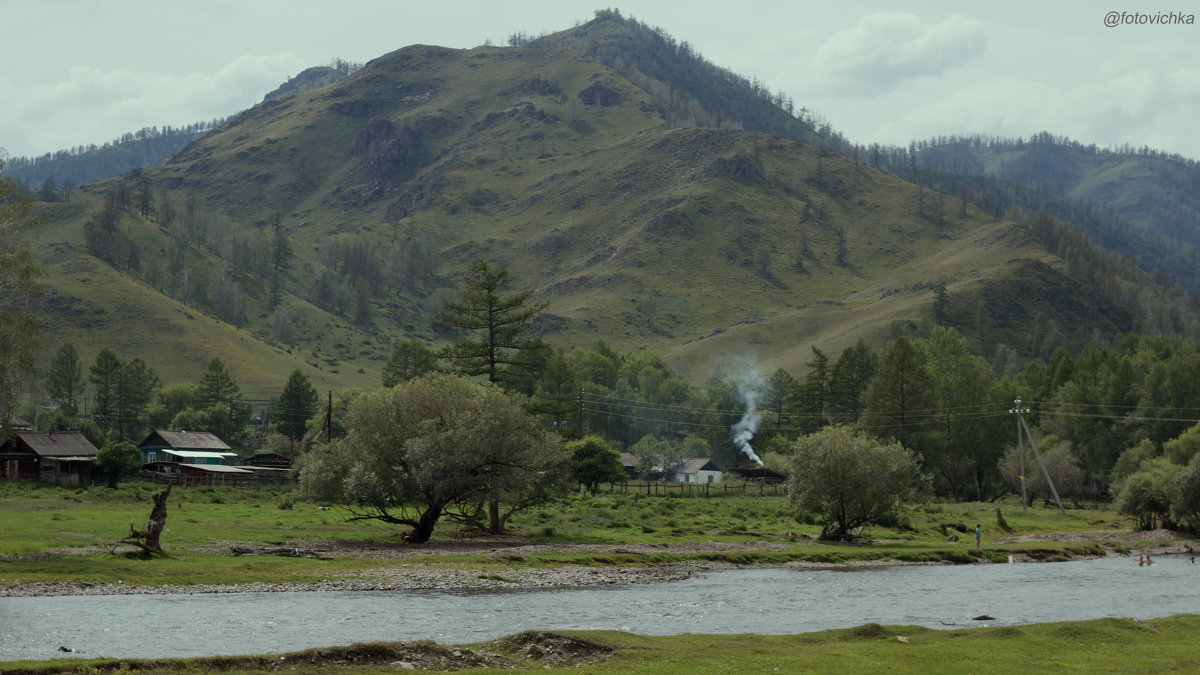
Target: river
(760,600)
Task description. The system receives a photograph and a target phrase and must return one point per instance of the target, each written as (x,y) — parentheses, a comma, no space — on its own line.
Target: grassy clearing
(41,524)
(1099,646)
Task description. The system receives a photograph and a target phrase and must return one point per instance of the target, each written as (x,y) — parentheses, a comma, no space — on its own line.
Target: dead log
(147,539)
(280,551)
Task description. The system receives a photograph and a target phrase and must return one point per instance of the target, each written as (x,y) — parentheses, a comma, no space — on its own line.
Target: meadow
(63,534)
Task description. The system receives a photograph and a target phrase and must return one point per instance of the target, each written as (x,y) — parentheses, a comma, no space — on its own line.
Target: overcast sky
(81,72)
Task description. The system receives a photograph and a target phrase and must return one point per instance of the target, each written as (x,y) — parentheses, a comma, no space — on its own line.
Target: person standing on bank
(977,535)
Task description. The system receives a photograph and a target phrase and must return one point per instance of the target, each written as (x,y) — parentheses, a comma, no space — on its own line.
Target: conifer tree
(502,346)
(409,359)
(297,403)
(217,386)
(105,377)
(64,379)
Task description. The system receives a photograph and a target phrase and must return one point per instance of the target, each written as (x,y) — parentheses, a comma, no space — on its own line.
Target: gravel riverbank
(402,577)
(391,579)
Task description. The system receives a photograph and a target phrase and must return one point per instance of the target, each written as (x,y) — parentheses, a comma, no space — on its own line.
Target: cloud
(94,106)
(886,49)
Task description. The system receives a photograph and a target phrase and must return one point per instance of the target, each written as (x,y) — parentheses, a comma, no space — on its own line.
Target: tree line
(85,164)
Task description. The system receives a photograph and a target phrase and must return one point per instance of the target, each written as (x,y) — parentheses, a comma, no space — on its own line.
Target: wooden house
(63,457)
(267,460)
(195,474)
(270,467)
(629,464)
(696,470)
(185,447)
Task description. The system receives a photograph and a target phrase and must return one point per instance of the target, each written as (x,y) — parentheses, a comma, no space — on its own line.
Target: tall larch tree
(501,344)
(64,378)
(297,403)
(105,375)
(900,400)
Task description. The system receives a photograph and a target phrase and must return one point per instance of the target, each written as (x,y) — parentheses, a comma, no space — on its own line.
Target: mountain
(676,208)
(1140,203)
(56,174)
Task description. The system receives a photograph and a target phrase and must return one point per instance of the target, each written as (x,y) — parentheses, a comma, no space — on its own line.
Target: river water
(761,600)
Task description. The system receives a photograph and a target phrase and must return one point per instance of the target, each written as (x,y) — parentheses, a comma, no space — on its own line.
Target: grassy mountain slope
(92,305)
(700,243)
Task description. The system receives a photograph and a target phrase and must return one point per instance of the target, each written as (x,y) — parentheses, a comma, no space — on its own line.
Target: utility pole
(329,419)
(1018,410)
(579,413)
(1033,444)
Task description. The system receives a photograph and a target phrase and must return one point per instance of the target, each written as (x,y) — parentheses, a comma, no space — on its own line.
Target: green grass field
(69,533)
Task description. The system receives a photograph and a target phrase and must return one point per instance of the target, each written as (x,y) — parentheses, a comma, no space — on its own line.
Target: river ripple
(758,600)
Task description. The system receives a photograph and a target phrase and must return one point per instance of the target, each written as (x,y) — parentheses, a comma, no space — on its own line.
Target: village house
(185,447)
(697,470)
(62,457)
(629,464)
(270,467)
(192,475)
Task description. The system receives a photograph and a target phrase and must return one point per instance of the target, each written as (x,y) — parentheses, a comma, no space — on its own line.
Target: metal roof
(190,440)
(199,454)
(216,468)
(694,464)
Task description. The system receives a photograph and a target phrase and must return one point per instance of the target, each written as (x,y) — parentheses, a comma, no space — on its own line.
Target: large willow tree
(436,446)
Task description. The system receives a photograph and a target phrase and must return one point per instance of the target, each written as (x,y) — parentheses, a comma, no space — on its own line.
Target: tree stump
(147,539)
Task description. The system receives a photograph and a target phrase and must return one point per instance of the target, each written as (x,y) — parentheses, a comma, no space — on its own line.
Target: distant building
(196,474)
(63,457)
(267,460)
(185,447)
(629,464)
(758,474)
(696,470)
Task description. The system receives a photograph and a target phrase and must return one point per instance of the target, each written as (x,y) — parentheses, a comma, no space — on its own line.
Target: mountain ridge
(694,241)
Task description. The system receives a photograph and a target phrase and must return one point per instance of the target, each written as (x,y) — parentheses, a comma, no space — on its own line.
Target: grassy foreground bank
(1169,644)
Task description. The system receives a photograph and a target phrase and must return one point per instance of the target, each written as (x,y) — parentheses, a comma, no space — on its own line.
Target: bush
(1186,509)
(1148,495)
(851,479)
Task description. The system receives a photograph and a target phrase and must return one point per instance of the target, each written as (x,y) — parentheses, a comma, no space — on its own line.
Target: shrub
(1148,494)
(851,479)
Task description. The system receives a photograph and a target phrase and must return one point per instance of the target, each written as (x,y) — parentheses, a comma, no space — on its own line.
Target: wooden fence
(252,480)
(667,489)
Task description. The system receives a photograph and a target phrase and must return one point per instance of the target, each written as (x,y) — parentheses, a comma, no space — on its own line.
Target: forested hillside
(54,176)
(1140,203)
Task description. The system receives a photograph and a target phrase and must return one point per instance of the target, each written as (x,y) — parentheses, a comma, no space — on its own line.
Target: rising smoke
(751,388)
